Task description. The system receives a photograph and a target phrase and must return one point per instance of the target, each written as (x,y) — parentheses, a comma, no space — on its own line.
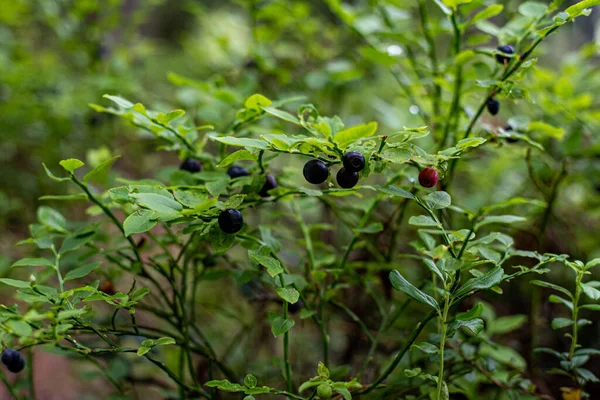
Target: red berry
(428,177)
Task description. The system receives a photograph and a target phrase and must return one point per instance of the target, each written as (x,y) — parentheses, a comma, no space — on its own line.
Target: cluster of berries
(13,360)
(316,171)
(493,106)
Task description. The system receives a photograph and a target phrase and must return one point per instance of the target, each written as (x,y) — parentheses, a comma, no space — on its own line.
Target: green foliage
(148,270)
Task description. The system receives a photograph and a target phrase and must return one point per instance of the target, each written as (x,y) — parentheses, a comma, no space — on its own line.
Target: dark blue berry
(315,172)
(270,184)
(346,179)
(354,161)
(507,49)
(236,171)
(295,307)
(493,106)
(13,360)
(191,165)
(230,220)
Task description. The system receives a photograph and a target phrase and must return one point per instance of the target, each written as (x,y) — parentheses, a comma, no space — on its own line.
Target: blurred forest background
(57,56)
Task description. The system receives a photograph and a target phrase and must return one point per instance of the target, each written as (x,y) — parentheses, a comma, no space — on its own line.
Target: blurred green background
(57,56)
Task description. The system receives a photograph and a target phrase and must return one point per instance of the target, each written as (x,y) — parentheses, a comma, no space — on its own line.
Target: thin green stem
(574,315)
(286,343)
(437,91)
(444,328)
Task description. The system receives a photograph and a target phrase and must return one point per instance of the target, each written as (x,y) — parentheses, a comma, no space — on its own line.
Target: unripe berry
(191,165)
(354,161)
(270,183)
(236,171)
(315,172)
(507,49)
(493,106)
(230,220)
(324,391)
(346,179)
(428,177)
(13,360)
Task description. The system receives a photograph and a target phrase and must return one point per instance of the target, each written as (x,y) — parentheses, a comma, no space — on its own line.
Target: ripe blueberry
(295,307)
(236,171)
(493,106)
(324,391)
(507,49)
(191,164)
(428,177)
(346,179)
(270,183)
(354,161)
(231,221)
(13,360)
(315,172)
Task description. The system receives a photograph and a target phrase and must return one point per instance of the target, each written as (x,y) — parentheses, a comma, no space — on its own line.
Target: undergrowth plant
(291,219)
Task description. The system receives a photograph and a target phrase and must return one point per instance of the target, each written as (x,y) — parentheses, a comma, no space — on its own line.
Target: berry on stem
(315,172)
(346,179)
(295,307)
(507,49)
(354,161)
(235,171)
(231,220)
(428,177)
(191,165)
(324,391)
(270,183)
(13,360)
(493,106)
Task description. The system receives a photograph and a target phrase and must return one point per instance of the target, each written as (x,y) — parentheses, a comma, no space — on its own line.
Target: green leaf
(279,326)
(51,218)
(272,265)
(559,323)
(82,271)
(427,348)
(19,328)
(140,221)
(284,115)
(486,281)
(422,220)
(323,371)
(371,228)
(288,294)
(509,323)
(163,341)
(590,291)
(71,164)
(554,287)
(157,202)
(15,283)
(499,219)
(348,136)
(401,284)
(592,263)
(242,142)
(437,200)
(100,169)
(33,262)
(66,197)
(533,9)
(250,381)
(577,8)
(143,350)
(75,242)
(52,176)
(488,12)
(395,191)
(547,129)
(255,101)
(225,385)
(121,102)
(66,314)
(237,156)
